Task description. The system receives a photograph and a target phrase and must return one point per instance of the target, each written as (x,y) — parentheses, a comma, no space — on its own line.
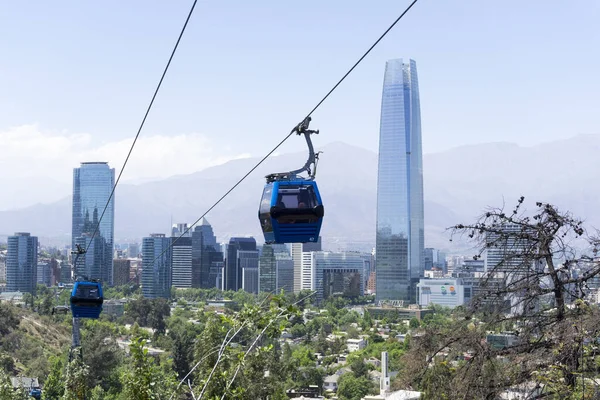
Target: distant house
(356,344)
(24,382)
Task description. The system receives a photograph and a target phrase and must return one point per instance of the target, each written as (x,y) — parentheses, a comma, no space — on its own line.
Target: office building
(333,274)
(207,258)
(182,256)
(21,263)
(297,250)
(233,269)
(122,268)
(400,217)
(248,265)
(448,292)
(92,185)
(156,266)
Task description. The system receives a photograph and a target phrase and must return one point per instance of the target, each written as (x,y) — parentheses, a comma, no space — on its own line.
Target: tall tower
(92,184)
(400,220)
(181,264)
(156,266)
(297,250)
(240,255)
(21,263)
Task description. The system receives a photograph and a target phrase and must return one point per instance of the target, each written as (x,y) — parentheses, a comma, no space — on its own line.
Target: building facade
(92,185)
(181,265)
(122,268)
(156,266)
(233,269)
(448,292)
(207,258)
(333,274)
(21,263)
(297,250)
(400,218)
(248,265)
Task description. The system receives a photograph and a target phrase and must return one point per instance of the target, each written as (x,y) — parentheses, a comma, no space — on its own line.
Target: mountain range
(458,184)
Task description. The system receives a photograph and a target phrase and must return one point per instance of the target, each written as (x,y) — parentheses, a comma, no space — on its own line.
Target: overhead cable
(143,120)
(292,132)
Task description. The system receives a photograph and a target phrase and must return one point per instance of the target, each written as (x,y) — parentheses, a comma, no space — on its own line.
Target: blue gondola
(86,299)
(291,209)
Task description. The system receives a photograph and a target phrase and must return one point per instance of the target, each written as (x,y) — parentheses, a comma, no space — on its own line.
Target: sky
(77,76)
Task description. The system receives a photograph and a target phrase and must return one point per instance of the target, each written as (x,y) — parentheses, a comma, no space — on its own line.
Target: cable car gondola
(86,299)
(291,209)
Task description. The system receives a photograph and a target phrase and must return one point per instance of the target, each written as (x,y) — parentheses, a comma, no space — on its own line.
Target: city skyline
(400,228)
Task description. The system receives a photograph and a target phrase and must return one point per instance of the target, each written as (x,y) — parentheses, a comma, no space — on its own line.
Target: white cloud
(28,152)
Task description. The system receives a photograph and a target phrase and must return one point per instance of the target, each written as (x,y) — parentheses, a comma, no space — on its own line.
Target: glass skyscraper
(400,221)
(92,185)
(156,266)
(21,263)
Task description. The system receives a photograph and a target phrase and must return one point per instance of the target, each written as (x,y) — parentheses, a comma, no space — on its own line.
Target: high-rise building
(65,272)
(122,267)
(233,269)
(333,273)
(207,258)
(248,264)
(2,268)
(182,256)
(21,263)
(400,219)
(276,269)
(44,273)
(92,185)
(267,270)
(133,250)
(297,250)
(284,267)
(156,266)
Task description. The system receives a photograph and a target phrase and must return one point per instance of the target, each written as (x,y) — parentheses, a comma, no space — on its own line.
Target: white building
(355,344)
(448,292)
(330,273)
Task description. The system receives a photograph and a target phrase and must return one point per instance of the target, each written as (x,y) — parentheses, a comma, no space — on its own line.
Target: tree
(159,310)
(54,387)
(76,377)
(353,388)
(536,287)
(102,355)
(414,323)
(8,319)
(183,351)
(144,380)
(7,392)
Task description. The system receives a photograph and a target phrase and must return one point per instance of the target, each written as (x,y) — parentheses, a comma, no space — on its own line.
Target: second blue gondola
(86,299)
(291,209)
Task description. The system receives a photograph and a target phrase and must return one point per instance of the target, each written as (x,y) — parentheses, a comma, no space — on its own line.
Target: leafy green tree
(414,323)
(367,321)
(76,378)
(101,353)
(54,387)
(359,368)
(437,381)
(352,388)
(7,364)
(182,350)
(143,379)
(7,392)
(8,319)
(159,311)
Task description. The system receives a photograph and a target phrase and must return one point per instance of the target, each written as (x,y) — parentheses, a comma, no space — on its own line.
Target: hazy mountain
(459,184)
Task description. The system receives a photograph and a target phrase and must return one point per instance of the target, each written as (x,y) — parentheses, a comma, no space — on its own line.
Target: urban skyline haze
(81,99)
